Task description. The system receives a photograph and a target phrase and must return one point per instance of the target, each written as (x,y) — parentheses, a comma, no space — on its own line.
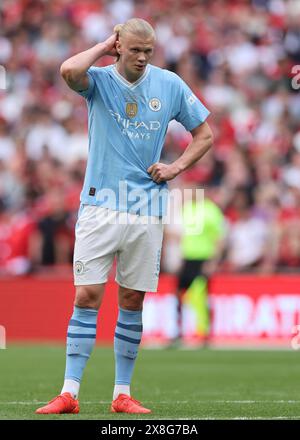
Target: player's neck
(129,76)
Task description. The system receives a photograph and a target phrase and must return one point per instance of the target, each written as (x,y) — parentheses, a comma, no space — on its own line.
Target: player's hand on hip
(161,172)
(110,45)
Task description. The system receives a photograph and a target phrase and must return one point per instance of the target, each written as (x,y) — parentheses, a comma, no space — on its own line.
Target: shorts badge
(79,267)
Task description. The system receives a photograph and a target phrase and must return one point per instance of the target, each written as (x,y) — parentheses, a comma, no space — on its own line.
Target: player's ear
(118,47)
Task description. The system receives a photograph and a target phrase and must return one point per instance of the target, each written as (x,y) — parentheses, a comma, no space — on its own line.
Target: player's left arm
(201,143)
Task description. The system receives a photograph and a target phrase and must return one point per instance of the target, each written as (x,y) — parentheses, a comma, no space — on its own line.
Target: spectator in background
(54,236)
(248,237)
(16,232)
(287,231)
(7,146)
(53,239)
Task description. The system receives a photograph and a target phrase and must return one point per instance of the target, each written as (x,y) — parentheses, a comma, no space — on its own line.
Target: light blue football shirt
(127,125)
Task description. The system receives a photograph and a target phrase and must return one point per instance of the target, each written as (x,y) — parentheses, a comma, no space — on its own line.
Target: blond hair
(136,26)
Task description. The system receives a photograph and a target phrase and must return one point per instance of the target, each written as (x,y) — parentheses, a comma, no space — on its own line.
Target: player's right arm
(74,69)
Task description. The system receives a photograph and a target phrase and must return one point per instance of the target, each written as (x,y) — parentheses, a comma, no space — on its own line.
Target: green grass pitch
(175,384)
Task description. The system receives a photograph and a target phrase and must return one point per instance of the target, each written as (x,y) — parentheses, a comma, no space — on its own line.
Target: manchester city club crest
(155,104)
(79,267)
(131,109)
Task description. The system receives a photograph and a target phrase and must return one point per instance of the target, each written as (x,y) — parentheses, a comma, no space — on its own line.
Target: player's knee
(88,296)
(131,299)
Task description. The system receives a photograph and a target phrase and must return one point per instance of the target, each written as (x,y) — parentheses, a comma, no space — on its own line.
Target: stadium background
(238,57)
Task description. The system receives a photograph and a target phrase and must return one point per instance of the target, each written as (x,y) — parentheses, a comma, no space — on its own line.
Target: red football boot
(62,404)
(126,404)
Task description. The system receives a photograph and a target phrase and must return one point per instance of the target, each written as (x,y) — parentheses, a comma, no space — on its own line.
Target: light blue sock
(127,339)
(81,338)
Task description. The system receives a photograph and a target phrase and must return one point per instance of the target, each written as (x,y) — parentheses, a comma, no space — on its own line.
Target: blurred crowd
(237,56)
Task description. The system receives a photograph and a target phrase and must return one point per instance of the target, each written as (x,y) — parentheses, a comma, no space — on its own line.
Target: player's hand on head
(161,172)
(110,44)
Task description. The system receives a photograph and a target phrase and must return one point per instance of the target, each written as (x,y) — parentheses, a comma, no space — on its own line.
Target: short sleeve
(87,93)
(190,111)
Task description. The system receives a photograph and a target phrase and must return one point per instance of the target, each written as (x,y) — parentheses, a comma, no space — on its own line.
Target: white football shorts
(136,241)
